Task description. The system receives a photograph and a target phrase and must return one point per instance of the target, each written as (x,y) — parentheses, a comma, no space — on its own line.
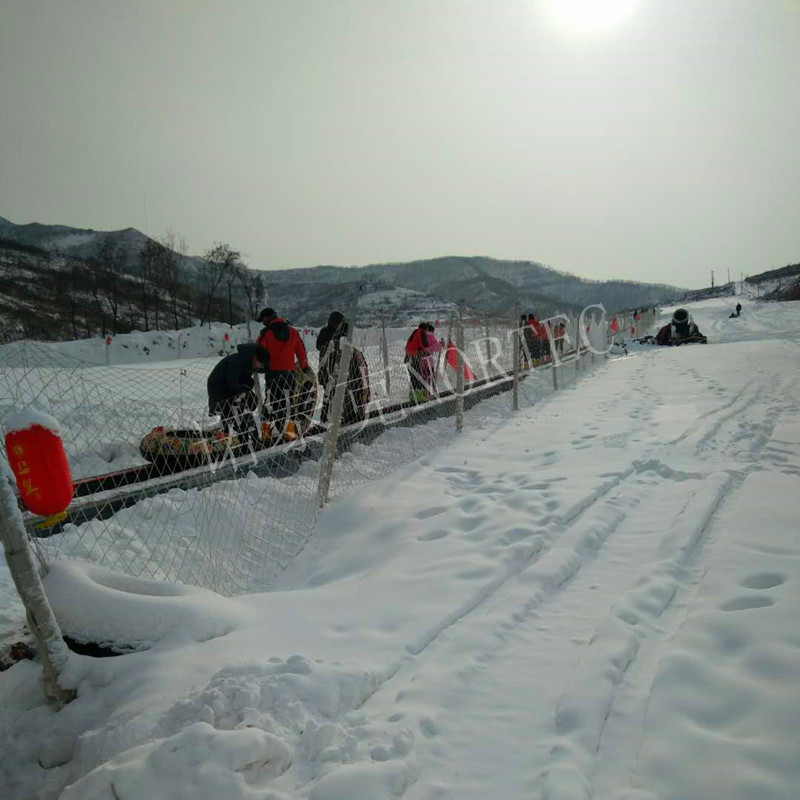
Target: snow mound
(199,763)
(108,608)
(307,706)
(28,418)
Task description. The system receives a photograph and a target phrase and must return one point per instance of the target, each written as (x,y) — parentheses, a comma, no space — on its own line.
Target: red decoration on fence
(37,459)
(451,359)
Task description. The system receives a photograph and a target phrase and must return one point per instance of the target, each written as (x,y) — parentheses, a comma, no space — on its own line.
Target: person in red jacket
(533,342)
(286,353)
(420,347)
(544,340)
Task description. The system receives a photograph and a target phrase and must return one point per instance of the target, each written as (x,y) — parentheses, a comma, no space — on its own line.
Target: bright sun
(590,13)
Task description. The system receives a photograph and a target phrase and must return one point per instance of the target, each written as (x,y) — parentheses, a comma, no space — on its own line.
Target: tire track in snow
(571,516)
(581,715)
(541,576)
(773,415)
(553,568)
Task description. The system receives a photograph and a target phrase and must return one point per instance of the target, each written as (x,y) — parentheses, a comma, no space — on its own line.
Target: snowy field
(594,598)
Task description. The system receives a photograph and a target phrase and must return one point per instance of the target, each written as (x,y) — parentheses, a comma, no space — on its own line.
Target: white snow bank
(98,605)
(239,733)
(23,420)
(199,763)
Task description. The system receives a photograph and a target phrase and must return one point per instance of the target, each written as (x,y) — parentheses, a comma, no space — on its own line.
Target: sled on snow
(695,339)
(176,449)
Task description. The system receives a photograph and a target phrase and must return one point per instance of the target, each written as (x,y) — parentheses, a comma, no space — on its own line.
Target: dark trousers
(279,387)
(236,414)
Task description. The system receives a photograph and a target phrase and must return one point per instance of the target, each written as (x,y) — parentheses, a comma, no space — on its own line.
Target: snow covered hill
(593,598)
(417,290)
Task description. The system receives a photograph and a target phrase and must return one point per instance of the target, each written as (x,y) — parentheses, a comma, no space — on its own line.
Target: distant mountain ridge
(491,286)
(397,293)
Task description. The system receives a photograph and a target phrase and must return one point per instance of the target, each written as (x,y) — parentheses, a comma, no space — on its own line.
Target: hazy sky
(649,139)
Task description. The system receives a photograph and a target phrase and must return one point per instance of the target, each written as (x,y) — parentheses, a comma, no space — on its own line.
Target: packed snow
(595,597)
(29,419)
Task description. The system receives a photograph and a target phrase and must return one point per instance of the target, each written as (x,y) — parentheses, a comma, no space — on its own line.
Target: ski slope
(593,598)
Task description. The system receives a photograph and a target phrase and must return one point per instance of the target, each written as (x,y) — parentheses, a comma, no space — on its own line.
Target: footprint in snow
(432,536)
(426,513)
(763,580)
(745,603)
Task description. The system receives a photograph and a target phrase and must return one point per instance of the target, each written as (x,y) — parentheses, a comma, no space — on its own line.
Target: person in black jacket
(230,389)
(357,394)
(681,329)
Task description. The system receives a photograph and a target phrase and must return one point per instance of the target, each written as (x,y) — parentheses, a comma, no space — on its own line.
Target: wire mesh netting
(166,490)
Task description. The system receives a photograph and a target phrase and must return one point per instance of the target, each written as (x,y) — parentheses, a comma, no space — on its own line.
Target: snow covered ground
(595,597)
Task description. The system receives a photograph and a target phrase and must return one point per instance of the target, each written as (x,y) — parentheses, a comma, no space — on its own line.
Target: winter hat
(266,313)
(335,319)
(681,316)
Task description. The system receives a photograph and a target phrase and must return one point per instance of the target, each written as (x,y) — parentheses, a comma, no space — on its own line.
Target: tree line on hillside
(49,296)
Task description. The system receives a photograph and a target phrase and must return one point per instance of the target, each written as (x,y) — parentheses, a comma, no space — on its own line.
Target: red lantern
(614,327)
(37,459)
(226,337)
(108,340)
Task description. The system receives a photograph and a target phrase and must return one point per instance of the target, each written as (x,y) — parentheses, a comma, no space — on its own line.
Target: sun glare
(590,14)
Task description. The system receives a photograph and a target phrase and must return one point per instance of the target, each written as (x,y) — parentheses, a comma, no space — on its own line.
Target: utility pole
(712,278)
(729,274)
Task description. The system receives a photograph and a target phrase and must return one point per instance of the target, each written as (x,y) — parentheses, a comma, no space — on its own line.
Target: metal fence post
(24,571)
(515,343)
(385,353)
(460,369)
(331,437)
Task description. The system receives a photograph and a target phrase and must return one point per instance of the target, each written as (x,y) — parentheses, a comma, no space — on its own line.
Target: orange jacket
(283,344)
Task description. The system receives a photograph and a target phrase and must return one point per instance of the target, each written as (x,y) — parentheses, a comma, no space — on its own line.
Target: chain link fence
(165,490)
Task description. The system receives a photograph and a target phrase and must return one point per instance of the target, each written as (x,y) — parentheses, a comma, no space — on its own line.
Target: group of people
(290,386)
(535,347)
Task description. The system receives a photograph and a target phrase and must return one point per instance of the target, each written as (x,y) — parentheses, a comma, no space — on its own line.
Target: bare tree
(174,249)
(210,277)
(227,265)
(107,283)
(254,292)
(148,265)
